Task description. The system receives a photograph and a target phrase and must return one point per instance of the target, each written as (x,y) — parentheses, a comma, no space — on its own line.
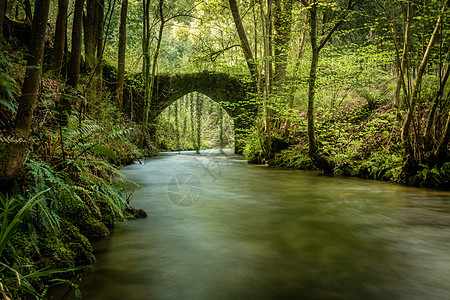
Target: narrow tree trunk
(12,163)
(122,49)
(244,41)
(312,81)
(199,122)
(266,134)
(221,137)
(65,102)
(89,25)
(441,150)
(2,16)
(155,60)
(320,159)
(146,39)
(99,43)
(60,38)
(418,81)
(100,31)
(282,36)
(191,107)
(75,56)
(296,73)
(177,127)
(28,13)
(428,135)
(401,68)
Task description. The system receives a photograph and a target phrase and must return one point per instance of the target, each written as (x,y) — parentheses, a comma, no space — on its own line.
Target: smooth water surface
(219,228)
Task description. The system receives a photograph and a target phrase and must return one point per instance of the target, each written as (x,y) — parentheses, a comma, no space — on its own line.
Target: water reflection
(260,233)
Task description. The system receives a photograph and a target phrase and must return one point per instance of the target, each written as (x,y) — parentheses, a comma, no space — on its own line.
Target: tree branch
(325,39)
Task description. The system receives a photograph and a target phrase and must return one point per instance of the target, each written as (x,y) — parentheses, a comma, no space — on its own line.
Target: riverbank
(70,191)
(362,141)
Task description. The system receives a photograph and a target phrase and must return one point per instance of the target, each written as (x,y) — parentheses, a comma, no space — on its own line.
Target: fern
(9,205)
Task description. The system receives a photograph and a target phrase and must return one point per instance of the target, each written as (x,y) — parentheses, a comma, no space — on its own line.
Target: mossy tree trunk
(75,56)
(321,160)
(73,71)
(2,16)
(199,122)
(282,24)
(411,157)
(150,81)
(28,10)
(90,32)
(60,38)
(244,40)
(12,164)
(122,49)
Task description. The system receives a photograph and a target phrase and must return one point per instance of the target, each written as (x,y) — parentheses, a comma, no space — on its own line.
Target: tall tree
(122,49)
(150,80)
(199,108)
(60,38)
(90,32)
(28,10)
(282,36)
(320,159)
(75,55)
(244,40)
(12,159)
(2,16)
(411,159)
(100,32)
(165,13)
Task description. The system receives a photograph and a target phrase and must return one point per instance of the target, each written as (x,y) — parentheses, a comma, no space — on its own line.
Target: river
(219,228)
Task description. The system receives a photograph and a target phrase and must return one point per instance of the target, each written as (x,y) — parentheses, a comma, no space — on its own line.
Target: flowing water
(219,228)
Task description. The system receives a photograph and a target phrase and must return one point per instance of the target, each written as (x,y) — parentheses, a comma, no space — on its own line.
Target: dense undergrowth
(70,191)
(361,136)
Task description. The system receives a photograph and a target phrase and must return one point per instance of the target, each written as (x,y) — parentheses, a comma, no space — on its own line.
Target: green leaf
(104,151)
(435,171)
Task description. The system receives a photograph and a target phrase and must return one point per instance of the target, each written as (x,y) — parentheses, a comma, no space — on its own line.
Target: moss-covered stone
(89,224)
(78,244)
(131,213)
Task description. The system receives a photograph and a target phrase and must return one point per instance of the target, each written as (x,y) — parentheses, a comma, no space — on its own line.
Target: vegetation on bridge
(349,87)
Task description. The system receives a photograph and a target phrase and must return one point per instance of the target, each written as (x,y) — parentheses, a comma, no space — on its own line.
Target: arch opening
(194,121)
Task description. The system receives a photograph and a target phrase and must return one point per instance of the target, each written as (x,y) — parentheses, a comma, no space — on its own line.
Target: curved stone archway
(230,92)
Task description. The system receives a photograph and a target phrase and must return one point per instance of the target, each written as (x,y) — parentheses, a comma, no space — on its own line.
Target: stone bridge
(232,93)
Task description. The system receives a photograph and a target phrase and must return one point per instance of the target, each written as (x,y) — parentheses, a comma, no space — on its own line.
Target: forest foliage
(350,87)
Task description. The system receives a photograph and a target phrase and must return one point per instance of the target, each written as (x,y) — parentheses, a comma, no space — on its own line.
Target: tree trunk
(65,102)
(312,81)
(296,73)
(60,38)
(244,41)
(100,30)
(28,13)
(441,150)
(409,156)
(99,43)
(199,122)
(75,56)
(282,36)
(401,68)
(122,49)
(14,156)
(319,158)
(90,29)
(146,40)
(155,59)
(428,134)
(2,17)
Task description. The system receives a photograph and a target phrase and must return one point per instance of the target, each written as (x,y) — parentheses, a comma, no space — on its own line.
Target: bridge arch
(230,92)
